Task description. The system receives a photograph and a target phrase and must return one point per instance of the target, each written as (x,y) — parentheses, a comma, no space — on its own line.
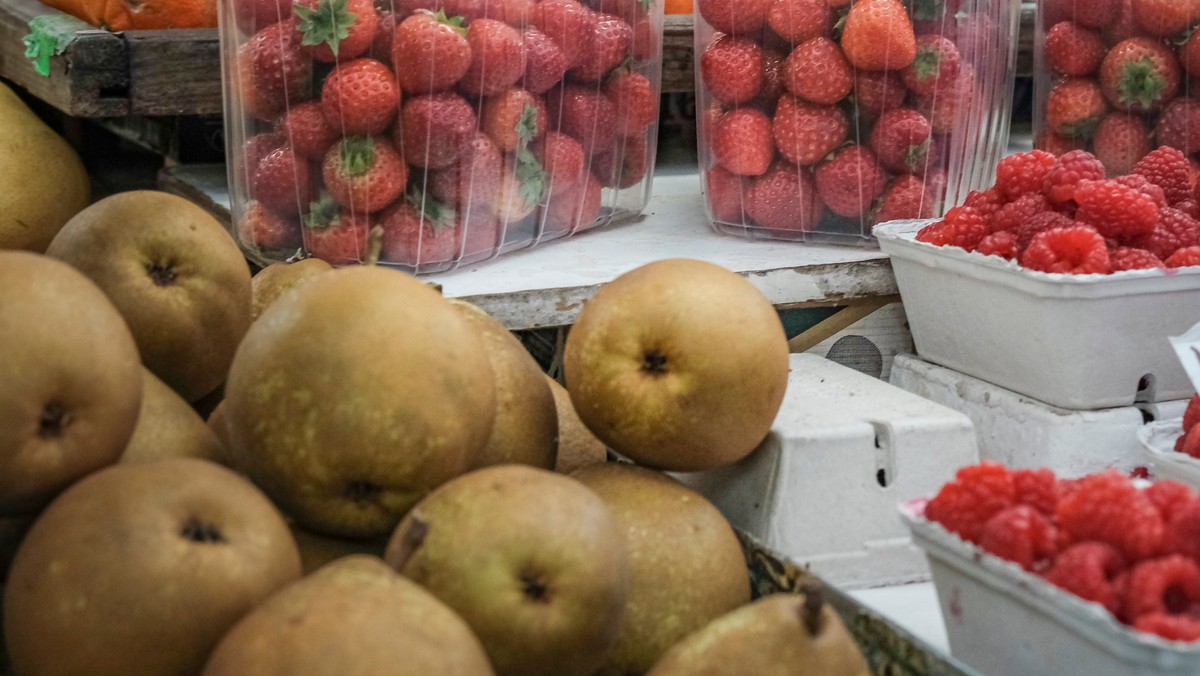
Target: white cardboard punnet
(1158,445)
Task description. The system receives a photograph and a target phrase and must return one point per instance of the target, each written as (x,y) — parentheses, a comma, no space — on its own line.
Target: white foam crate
(823,487)
(1158,446)
(1020,432)
(1004,621)
(1074,341)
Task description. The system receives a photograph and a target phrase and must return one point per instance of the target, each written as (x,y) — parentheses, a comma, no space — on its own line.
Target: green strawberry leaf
(928,63)
(1085,128)
(927,10)
(328,23)
(532,176)
(915,157)
(438,214)
(527,125)
(839,26)
(455,22)
(357,154)
(1140,84)
(324,213)
(646,4)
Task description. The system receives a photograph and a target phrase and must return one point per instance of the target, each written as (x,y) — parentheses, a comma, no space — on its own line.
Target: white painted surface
(913,607)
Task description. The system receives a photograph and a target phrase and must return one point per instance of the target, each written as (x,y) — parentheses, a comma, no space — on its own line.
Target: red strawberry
(481,235)
(732,69)
(625,166)
(784,198)
(876,92)
(360,97)
(511,119)
(1090,13)
(277,67)
(419,231)
(800,20)
(497,58)
(385,33)
(515,13)
(282,181)
(1115,210)
(1185,258)
(1123,27)
(469,10)
(774,63)
(635,101)
(568,211)
(523,185)
(253,151)
(1125,258)
(1189,55)
(851,181)
(1073,50)
(817,71)
(878,35)
(626,9)
(735,17)
(335,237)
(545,62)
(336,30)
(741,142)
(569,24)
(364,174)
(563,159)
(1179,125)
(725,196)
(952,104)
(1077,250)
(1167,168)
(612,39)
(1165,18)
(902,140)
(647,40)
(252,15)
(260,228)
(1057,144)
(307,130)
(936,64)
(805,133)
(584,113)
(1140,75)
(250,98)
(474,181)
(435,128)
(1075,107)
(1121,140)
(433,50)
(906,197)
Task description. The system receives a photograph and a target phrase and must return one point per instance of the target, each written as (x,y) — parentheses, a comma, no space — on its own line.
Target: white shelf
(912,607)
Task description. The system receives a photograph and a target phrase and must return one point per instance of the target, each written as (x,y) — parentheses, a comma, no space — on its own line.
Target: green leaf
(455,22)
(928,63)
(532,177)
(1141,84)
(324,213)
(527,126)
(357,154)
(328,23)
(927,10)
(646,4)
(915,158)
(50,35)
(438,214)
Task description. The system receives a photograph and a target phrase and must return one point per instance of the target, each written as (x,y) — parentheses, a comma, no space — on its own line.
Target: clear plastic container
(463,128)
(820,118)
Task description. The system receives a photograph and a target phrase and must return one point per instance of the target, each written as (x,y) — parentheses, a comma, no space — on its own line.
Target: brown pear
(218,426)
(526,425)
(778,635)
(278,278)
(168,427)
(577,446)
(686,565)
(354,616)
(70,381)
(175,274)
(316,549)
(12,531)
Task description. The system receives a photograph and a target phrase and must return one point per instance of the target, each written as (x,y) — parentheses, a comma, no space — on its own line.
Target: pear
(168,427)
(278,278)
(218,426)
(317,550)
(778,635)
(353,616)
(12,531)
(577,446)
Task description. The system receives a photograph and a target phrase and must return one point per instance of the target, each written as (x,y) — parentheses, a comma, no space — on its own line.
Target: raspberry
(1170,627)
(1107,507)
(1019,534)
(962,227)
(1169,497)
(1167,168)
(1126,258)
(1185,257)
(1144,186)
(1088,570)
(1042,222)
(1170,584)
(1012,215)
(1069,170)
(1077,250)
(986,202)
(977,493)
(1189,444)
(1191,415)
(1002,244)
(1023,173)
(1182,535)
(1173,231)
(1037,488)
(1189,206)
(1115,210)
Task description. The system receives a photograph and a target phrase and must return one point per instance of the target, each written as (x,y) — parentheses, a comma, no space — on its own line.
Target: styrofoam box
(1158,444)
(1004,621)
(1073,341)
(822,488)
(1020,432)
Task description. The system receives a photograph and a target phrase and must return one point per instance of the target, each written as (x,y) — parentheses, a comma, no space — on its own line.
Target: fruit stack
(464,128)
(820,118)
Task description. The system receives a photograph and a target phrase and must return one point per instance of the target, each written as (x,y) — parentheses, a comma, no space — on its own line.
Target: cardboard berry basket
(1074,341)
(463,128)
(1158,446)
(818,119)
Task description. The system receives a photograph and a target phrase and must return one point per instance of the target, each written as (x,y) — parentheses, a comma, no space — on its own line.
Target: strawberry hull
(460,129)
(880,100)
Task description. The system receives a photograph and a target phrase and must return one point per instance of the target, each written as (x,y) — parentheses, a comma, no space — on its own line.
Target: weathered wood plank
(174,72)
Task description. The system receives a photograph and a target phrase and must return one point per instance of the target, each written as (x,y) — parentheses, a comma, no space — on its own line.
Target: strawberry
(878,35)
(515,13)
(522,187)
(360,97)
(511,119)
(334,236)
(1089,13)
(952,103)
(798,21)
(1139,75)
(469,10)
(336,30)
(1168,168)
(725,196)
(1057,144)
(282,181)
(434,129)
(584,113)
(1073,50)
(569,211)
(735,17)
(876,92)
(741,142)
(626,9)
(1189,55)
(260,228)
(307,130)
(1165,18)
(1121,140)
(817,71)
(253,15)
(937,63)
(625,165)
(474,181)
(902,140)
(1179,125)
(647,40)
(732,69)
(851,181)
(774,63)
(497,58)
(612,39)
(385,34)
(481,235)
(277,67)
(1074,107)
(569,24)
(906,197)
(434,51)
(563,159)
(635,101)
(252,152)
(364,173)
(250,98)
(806,133)
(1115,210)
(545,62)
(784,198)
(419,231)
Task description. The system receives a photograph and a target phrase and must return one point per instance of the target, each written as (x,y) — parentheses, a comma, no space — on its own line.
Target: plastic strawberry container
(464,129)
(820,118)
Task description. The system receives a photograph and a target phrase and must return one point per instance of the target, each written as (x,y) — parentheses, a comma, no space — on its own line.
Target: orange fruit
(678,7)
(123,15)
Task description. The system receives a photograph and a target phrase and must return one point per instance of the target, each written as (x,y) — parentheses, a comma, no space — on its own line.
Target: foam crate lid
(1158,447)
(844,449)
(1021,432)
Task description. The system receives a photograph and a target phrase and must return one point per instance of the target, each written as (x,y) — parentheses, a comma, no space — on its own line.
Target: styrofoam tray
(1073,341)
(1158,444)
(1002,620)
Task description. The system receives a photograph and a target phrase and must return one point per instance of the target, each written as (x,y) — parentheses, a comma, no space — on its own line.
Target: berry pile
(458,126)
(1061,214)
(827,115)
(1189,441)
(1118,76)
(1134,551)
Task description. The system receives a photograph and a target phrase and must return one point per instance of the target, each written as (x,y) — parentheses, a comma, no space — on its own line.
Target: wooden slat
(174,72)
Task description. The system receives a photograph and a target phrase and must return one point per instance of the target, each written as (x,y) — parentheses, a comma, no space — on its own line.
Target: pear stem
(435,286)
(810,612)
(374,246)
(411,541)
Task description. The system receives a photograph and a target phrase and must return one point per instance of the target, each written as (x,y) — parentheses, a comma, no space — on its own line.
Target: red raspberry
(1189,444)
(1167,168)
(1191,415)
(1048,220)
(1037,488)
(1170,627)
(1173,231)
(1077,250)
(1170,584)
(986,202)
(1067,172)
(1170,497)
(969,227)
(1002,244)
(1012,215)
(1126,258)
(1088,570)
(1189,206)
(1072,49)
(1143,185)
(1019,534)
(1115,210)
(977,493)
(1184,258)
(1022,173)
(1182,535)
(1107,507)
